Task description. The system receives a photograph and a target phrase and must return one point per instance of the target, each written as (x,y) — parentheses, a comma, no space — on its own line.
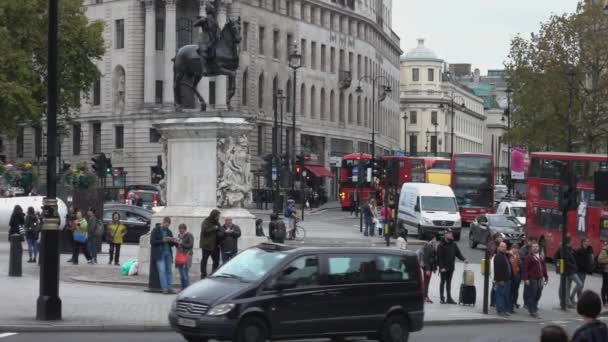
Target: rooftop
(421,52)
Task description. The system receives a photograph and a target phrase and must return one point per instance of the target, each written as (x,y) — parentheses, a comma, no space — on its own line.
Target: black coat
(429,257)
(447,252)
(585,261)
(156,242)
(229,240)
(277,231)
(16,221)
(570,262)
(32,227)
(502,267)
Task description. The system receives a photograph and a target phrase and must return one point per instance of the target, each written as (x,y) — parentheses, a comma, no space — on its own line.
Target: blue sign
(355,171)
(274,173)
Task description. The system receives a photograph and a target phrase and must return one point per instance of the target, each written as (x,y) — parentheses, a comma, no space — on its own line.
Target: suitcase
(468,295)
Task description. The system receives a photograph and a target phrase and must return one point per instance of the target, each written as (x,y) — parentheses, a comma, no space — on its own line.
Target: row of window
(430,74)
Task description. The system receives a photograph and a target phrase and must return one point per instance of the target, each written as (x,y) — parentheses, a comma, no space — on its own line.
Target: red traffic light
(298,169)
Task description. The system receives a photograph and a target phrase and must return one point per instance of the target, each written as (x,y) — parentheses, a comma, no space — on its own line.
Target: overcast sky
(471,31)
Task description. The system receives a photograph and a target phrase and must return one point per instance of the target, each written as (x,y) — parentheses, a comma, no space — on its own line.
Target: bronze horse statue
(189,67)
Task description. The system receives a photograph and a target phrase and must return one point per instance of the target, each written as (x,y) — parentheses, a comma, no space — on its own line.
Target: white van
(428,209)
(513,208)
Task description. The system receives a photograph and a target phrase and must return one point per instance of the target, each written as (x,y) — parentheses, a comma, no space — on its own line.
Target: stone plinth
(191,168)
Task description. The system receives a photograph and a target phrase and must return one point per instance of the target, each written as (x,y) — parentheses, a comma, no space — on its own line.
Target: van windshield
(435,203)
(250,265)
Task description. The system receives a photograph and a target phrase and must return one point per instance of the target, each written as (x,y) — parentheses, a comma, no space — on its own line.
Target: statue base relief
(207,164)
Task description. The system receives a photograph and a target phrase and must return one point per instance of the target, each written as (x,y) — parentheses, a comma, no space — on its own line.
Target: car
(149,198)
(485,226)
(275,292)
(513,208)
(136,219)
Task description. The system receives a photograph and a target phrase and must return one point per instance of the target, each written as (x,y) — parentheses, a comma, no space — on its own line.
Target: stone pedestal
(196,150)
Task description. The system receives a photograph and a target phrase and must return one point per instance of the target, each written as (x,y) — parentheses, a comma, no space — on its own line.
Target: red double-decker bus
(543,215)
(354,164)
(472,180)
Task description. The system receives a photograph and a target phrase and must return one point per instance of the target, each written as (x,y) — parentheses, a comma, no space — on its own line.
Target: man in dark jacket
(589,306)
(502,280)
(533,274)
(276,229)
(228,236)
(447,252)
(209,242)
(161,241)
(570,271)
(585,262)
(429,264)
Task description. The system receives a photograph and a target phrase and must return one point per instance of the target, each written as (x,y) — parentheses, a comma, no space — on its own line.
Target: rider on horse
(211,34)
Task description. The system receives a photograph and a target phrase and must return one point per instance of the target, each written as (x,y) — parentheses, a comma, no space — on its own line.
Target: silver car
(486,225)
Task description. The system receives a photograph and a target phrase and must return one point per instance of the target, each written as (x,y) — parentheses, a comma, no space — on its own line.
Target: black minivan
(276,292)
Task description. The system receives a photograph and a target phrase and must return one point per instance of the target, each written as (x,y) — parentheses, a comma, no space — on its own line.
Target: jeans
(92,246)
(163,265)
(446,281)
(427,280)
(532,293)
(76,247)
(115,253)
(184,275)
(605,287)
(503,296)
(369,226)
(215,259)
(32,248)
(226,256)
(515,289)
(578,289)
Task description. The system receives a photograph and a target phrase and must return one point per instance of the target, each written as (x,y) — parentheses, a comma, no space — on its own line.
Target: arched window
(332,105)
(275,88)
(350,109)
(303,100)
(244,81)
(358,110)
(261,91)
(313,102)
(322,108)
(341,109)
(288,94)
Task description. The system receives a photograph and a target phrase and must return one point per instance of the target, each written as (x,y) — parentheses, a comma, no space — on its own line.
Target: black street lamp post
(295,62)
(48,305)
(509,91)
(386,89)
(426,147)
(405,134)
(436,138)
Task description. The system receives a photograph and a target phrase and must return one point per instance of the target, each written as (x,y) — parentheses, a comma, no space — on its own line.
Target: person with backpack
(427,257)
(290,214)
(32,232)
(276,229)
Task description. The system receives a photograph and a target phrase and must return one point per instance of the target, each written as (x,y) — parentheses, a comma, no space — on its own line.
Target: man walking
(228,236)
(429,265)
(161,241)
(570,271)
(534,272)
(209,242)
(447,252)
(585,263)
(516,265)
(368,217)
(502,280)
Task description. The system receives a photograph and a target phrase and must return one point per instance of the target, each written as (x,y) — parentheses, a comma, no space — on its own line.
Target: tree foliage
(23,60)
(568,56)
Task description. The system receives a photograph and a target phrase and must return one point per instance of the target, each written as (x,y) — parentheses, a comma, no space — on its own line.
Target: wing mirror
(417,208)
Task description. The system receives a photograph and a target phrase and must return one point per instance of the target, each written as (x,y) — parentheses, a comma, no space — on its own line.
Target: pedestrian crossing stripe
(3,335)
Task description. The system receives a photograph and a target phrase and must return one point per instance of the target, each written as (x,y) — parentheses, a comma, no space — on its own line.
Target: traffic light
(377,167)
(567,191)
(108,168)
(267,169)
(298,167)
(99,165)
(391,173)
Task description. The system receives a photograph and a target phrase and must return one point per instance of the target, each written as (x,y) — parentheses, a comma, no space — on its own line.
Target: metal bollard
(16,256)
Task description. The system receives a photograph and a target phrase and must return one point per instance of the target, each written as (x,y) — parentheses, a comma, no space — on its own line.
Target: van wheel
(420,233)
(191,338)
(395,329)
(472,242)
(251,329)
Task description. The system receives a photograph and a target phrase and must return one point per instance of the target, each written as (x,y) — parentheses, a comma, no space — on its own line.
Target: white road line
(3,335)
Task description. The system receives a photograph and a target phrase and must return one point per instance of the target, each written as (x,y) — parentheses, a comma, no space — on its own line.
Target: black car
(275,292)
(136,219)
(486,225)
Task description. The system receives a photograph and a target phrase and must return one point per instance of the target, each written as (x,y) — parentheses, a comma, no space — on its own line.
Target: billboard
(518,164)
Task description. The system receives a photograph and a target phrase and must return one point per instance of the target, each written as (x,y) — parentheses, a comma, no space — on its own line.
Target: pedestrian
(353,203)
(209,242)
(502,280)
(70,224)
(523,254)
(447,252)
(570,270)
(516,265)
(535,277)
(290,214)
(385,218)
(139,201)
(228,236)
(32,232)
(585,263)
(95,227)
(553,333)
(161,241)
(276,229)
(589,306)
(185,244)
(492,247)
(368,217)
(259,227)
(602,259)
(16,221)
(429,264)
(115,234)
(81,237)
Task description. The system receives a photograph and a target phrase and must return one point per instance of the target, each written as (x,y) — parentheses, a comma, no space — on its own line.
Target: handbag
(181,259)
(80,237)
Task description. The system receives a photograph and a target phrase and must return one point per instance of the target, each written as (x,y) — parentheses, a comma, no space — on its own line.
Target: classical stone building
(427,93)
(340,41)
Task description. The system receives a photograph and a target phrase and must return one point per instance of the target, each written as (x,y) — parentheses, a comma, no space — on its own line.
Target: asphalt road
(515,332)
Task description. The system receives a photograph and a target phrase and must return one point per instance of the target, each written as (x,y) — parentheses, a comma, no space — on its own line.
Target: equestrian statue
(216,54)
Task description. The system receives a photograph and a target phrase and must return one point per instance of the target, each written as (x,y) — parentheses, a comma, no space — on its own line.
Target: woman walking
(32,232)
(185,243)
(116,232)
(16,221)
(80,235)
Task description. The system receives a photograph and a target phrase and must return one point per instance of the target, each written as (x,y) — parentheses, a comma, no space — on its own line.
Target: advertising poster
(517,163)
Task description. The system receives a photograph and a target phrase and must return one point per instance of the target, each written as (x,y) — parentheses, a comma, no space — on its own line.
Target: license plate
(186,322)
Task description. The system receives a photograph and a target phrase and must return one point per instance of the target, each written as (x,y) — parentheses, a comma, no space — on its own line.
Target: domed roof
(420,53)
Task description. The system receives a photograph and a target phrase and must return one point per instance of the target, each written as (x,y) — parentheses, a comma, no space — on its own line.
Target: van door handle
(334,292)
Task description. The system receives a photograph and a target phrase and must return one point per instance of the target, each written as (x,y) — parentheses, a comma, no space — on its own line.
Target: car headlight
(174,305)
(427,221)
(457,223)
(221,309)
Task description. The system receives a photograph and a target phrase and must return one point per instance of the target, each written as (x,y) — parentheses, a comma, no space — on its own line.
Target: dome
(420,53)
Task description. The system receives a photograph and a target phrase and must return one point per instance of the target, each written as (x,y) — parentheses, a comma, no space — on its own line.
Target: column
(220,81)
(170,49)
(150,47)
(203,85)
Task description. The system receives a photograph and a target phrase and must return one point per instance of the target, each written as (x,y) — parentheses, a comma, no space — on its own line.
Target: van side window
(351,269)
(506,210)
(304,270)
(392,268)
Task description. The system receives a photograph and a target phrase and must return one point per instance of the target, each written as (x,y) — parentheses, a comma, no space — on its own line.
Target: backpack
(287,212)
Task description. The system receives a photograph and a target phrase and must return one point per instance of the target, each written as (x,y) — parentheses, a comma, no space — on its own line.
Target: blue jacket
(156,242)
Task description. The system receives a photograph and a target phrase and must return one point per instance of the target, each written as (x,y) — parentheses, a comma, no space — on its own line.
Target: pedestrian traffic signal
(99,165)
(108,167)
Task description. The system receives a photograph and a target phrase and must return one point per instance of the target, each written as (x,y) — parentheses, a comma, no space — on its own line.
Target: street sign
(369,175)
(274,173)
(355,176)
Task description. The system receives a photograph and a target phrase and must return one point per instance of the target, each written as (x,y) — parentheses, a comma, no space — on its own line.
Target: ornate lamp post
(295,62)
(386,89)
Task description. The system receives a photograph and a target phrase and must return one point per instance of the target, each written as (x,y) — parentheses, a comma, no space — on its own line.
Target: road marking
(3,335)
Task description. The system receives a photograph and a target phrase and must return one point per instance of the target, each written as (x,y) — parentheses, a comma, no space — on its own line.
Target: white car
(513,208)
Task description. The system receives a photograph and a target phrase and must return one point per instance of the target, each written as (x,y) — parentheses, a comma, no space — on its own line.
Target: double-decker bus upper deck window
(548,217)
(584,170)
(535,167)
(553,169)
(549,192)
(473,164)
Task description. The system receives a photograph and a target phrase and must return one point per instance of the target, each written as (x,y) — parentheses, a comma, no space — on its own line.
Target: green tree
(23,61)
(568,56)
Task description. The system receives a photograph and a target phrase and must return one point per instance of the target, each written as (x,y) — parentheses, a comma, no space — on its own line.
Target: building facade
(340,42)
(433,105)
